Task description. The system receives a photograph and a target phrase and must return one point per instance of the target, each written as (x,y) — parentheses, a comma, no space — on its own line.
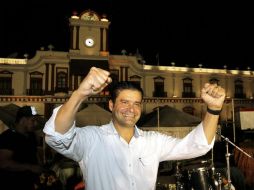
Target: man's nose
(131,107)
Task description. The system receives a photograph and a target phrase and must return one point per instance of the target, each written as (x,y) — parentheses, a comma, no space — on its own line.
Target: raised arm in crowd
(119,155)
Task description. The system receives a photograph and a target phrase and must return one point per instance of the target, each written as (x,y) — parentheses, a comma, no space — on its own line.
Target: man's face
(31,123)
(126,110)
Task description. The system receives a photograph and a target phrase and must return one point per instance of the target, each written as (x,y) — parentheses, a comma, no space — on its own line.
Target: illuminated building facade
(47,79)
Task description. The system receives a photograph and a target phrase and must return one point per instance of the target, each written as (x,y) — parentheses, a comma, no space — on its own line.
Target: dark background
(189,34)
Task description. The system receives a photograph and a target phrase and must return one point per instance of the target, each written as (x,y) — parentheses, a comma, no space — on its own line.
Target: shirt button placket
(132,183)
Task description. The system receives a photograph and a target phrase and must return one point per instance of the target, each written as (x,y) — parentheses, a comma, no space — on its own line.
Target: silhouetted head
(25,111)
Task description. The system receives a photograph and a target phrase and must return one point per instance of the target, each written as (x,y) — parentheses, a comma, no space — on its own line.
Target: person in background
(18,152)
(48,180)
(119,155)
(53,183)
(41,182)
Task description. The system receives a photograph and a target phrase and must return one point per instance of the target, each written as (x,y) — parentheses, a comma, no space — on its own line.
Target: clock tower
(89,34)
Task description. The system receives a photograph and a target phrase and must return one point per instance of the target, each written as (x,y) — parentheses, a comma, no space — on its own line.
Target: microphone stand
(228,155)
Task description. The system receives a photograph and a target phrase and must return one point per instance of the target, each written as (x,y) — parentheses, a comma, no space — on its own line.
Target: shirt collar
(111,130)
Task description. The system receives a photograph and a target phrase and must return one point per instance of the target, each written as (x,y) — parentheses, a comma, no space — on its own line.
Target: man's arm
(95,81)
(214,97)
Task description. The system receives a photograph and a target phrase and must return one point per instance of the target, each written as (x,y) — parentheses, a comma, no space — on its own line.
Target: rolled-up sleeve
(60,142)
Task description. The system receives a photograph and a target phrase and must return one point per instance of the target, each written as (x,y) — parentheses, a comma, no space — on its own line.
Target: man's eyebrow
(131,101)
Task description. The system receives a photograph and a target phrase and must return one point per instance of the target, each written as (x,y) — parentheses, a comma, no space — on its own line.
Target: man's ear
(110,105)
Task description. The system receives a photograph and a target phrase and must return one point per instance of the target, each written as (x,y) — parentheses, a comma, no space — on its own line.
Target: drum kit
(197,175)
(200,173)
(193,174)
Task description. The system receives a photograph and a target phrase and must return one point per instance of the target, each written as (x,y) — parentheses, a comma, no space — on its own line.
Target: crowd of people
(20,164)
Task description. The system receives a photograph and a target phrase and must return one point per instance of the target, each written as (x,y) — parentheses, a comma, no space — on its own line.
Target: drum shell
(198,179)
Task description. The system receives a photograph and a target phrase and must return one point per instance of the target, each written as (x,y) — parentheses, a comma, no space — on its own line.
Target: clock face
(89,42)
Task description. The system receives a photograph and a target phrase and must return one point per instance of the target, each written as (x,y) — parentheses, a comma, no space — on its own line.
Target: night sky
(188,34)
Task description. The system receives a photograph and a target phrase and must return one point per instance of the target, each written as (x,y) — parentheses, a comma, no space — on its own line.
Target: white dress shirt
(108,162)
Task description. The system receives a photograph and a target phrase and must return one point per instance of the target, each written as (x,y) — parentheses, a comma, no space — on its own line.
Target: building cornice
(97,99)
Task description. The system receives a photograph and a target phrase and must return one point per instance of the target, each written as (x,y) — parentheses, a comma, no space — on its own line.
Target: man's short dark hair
(116,88)
(25,111)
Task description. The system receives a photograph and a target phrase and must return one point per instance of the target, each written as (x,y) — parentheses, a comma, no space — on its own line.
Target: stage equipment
(227,155)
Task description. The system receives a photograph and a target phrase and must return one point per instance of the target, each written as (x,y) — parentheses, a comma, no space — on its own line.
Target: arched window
(35,83)
(6,83)
(239,89)
(114,74)
(187,88)
(159,87)
(61,82)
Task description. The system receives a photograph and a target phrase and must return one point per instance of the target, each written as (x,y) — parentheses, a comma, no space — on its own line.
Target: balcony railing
(65,89)
(35,92)
(188,94)
(6,91)
(159,94)
(240,95)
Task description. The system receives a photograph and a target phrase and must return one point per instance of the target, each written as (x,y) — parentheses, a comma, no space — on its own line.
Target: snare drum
(198,175)
(199,179)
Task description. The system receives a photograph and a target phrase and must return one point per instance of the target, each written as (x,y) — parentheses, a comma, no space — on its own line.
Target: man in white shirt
(119,155)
